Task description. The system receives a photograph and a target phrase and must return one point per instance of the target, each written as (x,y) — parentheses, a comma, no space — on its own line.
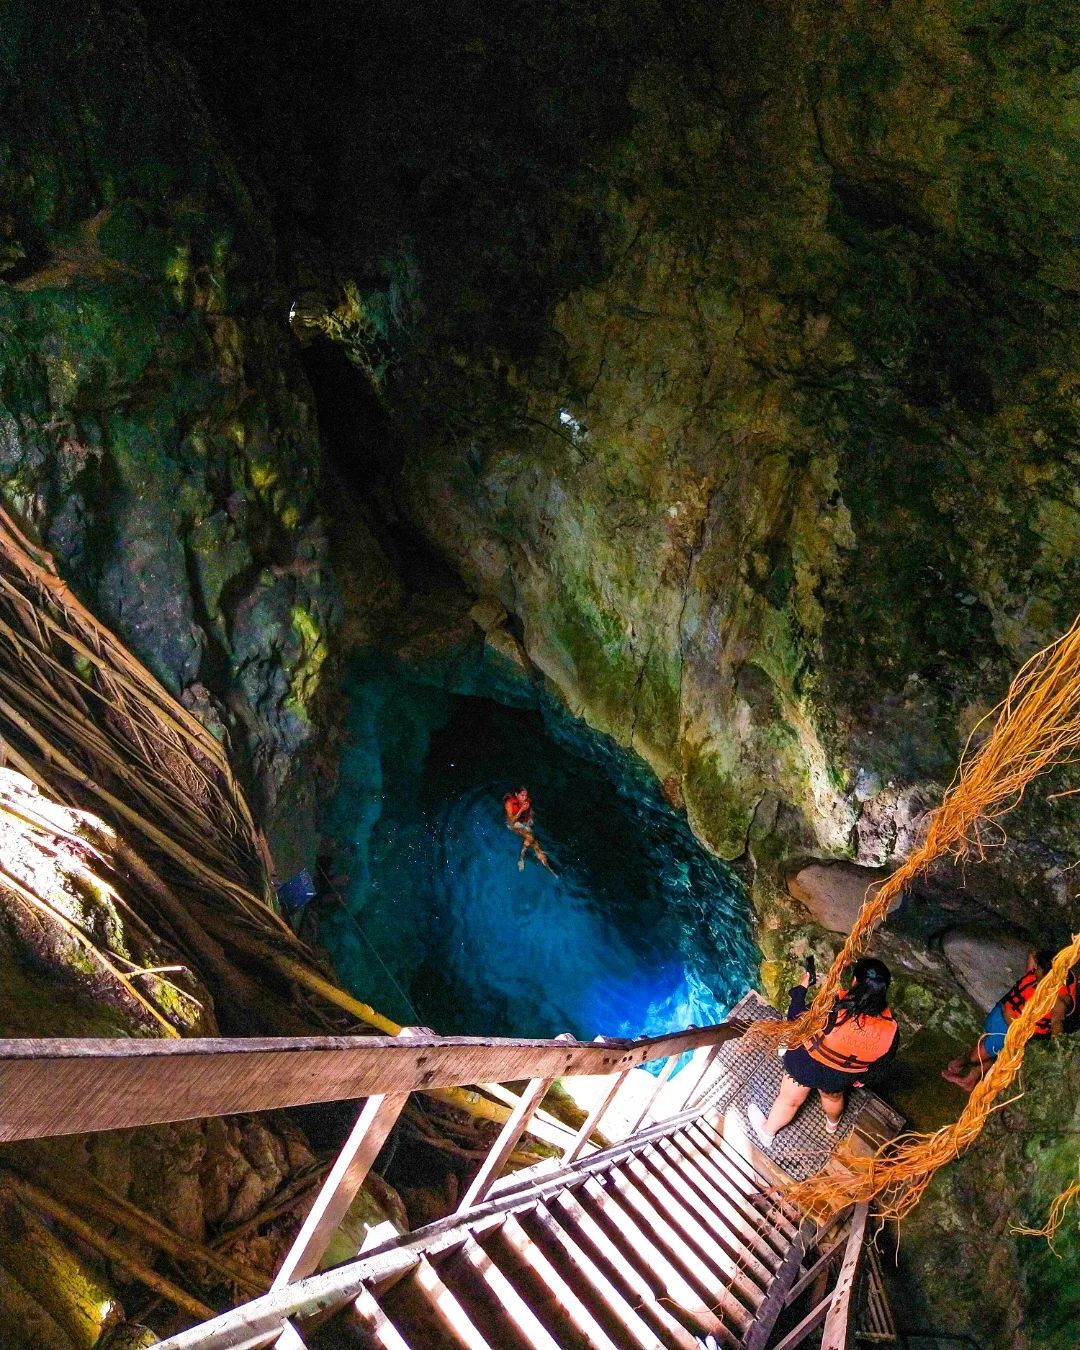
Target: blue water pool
(640,930)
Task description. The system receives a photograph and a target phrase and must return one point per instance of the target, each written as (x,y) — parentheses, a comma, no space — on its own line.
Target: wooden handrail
(840,1320)
(78,1086)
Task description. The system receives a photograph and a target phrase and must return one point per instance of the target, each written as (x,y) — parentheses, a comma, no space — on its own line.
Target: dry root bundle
(1036,727)
(896,1177)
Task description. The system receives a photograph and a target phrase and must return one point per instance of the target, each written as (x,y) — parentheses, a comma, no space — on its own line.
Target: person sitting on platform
(968,1069)
(859,1038)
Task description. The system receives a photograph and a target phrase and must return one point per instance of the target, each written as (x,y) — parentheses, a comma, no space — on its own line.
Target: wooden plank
(447,1309)
(759,1336)
(592,1121)
(289,1339)
(823,1262)
(511,1300)
(378,1326)
(628,1274)
(841,1309)
(703,1060)
(733,1277)
(677,1287)
(339,1189)
(505,1144)
(681,1253)
(661,1079)
(529,1254)
(76,1086)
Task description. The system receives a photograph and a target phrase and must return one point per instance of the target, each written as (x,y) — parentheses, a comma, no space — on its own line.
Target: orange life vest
(854,1043)
(1023,990)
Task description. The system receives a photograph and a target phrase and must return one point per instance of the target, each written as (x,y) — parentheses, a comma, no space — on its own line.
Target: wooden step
(730,1268)
(715,1284)
(447,1311)
(722,1189)
(509,1297)
(752,1221)
(593,1238)
(649,1259)
(750,1178)
(561,1299)
(381,1332)
(719,1220)
(754,1188)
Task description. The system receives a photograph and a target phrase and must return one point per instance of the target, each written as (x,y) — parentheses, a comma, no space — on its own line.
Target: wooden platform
(744,1072)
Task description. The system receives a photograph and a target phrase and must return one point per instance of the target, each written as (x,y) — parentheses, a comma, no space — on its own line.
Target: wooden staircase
(664,1240)
(672,1235)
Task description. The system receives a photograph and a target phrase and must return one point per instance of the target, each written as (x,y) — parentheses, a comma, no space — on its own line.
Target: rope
(1037,726)
(897,1177)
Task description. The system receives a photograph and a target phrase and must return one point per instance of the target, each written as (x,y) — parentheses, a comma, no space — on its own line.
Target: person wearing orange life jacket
(968,1069)
(519,818)
(859,1038)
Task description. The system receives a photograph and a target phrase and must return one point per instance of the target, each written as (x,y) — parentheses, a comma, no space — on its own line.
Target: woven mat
(748,1073)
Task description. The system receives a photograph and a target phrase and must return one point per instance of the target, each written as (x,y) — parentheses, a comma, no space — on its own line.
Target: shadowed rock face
(154,429)
(727,347)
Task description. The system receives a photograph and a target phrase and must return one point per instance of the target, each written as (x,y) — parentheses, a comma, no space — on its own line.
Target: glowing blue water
(640,930)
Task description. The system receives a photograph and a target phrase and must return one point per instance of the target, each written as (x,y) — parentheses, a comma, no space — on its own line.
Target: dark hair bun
(869,970)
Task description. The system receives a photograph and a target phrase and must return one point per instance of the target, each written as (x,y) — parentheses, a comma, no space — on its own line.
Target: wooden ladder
(664,1240)
(670,1236)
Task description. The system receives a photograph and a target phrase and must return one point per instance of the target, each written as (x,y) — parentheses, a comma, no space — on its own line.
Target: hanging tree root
(1056,1216)
(896,1177)
(1037,727)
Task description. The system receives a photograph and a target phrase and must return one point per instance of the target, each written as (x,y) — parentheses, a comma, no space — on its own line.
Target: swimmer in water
(519,818)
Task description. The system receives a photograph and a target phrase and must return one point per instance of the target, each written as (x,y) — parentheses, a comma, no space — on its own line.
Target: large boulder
(834,892)
(985,963)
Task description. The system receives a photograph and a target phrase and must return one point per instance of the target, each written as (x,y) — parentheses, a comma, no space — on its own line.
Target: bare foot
(965,1081)
(521,864)
(959,1064)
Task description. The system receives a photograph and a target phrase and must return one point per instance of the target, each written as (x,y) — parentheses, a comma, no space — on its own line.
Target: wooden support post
(509,1135)
(289,1339)
(577,1144)
(339,1189)
(700,1064)
(661,1078)
(841,1316)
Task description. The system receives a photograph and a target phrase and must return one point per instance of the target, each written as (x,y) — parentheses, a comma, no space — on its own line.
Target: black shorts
(809,1073)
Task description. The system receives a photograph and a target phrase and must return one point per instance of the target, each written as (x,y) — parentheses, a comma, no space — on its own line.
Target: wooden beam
(63,1086)
(258,1322)
(592,1121)
(838,1323)
(339,1189)
(699,1066)
(509,1135)
(798,1334)
(650,1101)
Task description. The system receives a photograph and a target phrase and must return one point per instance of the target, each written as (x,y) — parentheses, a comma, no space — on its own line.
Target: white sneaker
(756,1116)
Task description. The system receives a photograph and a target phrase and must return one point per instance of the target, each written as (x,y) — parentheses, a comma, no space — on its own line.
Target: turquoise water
(639,932)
